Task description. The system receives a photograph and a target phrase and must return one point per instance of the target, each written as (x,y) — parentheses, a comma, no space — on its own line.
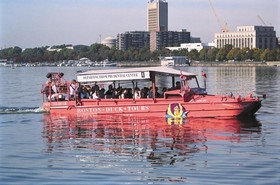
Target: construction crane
(224,27)
(263,22)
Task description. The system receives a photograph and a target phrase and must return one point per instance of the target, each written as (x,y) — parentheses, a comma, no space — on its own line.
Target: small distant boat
(174,61)
(181,101)
(105,63)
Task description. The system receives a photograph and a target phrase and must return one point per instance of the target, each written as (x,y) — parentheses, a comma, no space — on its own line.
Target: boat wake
(20,110)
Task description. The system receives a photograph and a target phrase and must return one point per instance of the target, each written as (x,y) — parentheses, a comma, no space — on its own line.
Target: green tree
(272,55)
(246,54)
(278,54)
(212,53)
(234,54)
(203,54)
(222,54)
(264,55)
(256,54)
(193,55)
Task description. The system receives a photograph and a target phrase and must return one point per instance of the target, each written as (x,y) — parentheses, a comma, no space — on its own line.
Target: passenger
(144,92)
(96,87)
(150,94)
(96,95)
(54,92)
(73,88)
(157,93)
(115,94)
(84,93)
(129,93)
(177,86)
(54,88)
(48,90)
(102,93)
(137,92)
(90,92)
(62,94)
(123,94)
(109,92)
(164,89)
(188,95)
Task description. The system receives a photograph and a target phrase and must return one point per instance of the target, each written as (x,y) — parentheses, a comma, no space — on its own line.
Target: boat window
(192,83)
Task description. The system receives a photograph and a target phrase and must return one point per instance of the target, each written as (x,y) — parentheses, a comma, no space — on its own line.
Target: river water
(37,148)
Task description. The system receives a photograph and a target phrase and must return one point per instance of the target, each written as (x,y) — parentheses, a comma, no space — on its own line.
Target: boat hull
(198,107)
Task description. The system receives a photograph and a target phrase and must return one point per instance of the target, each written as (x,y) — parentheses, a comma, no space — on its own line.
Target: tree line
(100,52)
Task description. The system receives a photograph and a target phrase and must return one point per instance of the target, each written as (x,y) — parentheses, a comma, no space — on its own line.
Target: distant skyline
(37,23)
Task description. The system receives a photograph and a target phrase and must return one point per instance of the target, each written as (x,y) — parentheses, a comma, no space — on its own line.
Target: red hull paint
(200,106)
(180,101)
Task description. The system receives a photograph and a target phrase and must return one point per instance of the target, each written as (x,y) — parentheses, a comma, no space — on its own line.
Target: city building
(109,41)
(157,18)
(133,39)
(191,46)
(159,40)
(261,37)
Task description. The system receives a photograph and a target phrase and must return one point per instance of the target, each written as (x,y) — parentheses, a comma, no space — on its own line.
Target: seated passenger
(163,91)
(123,93)
(62,94)
(144,92)
(84,93)
(137,93)
(115,94)
(109,92)
(102,93)
(177,86)
(47,90)
(95,95)
(150,94)
(129,93)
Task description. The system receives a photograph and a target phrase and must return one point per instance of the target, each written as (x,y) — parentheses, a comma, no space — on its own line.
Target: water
(37,148)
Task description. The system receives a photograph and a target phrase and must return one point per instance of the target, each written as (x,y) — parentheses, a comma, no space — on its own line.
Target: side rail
(52,92)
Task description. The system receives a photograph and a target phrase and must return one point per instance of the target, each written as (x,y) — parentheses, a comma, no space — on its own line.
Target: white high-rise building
(261,37)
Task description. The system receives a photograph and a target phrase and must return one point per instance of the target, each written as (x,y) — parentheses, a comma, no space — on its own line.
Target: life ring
(175,110)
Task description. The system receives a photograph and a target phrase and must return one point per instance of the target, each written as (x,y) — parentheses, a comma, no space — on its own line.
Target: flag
(203,74)
(181,75)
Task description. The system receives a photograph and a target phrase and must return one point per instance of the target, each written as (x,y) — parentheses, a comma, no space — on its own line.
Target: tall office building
(157,18)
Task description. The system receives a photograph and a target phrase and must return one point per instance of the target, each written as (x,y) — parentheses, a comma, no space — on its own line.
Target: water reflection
(158,141)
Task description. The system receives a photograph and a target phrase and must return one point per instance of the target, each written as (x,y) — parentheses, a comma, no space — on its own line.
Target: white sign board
(113,77)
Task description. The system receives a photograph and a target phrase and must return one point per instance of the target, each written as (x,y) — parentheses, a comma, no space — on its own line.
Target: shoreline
(157,63)
(205,64)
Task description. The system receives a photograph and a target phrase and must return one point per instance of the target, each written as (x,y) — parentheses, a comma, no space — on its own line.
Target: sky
(37,23)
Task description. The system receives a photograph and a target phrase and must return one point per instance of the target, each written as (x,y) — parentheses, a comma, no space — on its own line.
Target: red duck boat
(134,92)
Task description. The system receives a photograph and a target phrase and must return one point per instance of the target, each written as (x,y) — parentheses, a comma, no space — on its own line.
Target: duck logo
(176,110)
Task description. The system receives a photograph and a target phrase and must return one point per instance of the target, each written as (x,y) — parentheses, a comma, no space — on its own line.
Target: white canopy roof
(118,74)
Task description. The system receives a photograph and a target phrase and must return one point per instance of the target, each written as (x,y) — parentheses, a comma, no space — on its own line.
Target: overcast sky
(36,23)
